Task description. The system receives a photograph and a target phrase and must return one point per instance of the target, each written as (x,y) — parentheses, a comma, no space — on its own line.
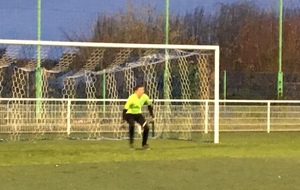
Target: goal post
(91,71)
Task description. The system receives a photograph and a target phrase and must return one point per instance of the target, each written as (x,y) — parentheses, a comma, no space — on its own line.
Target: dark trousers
(139,118)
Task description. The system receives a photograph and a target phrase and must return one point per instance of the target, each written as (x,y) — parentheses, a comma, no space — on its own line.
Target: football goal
(79,88)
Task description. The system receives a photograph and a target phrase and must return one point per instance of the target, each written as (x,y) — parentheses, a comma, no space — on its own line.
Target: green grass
(240,161)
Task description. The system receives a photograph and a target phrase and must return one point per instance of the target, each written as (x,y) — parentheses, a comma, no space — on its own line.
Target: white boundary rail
(234,115)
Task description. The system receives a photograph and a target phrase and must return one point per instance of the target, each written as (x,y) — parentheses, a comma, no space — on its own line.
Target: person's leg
(130,119)
(142,121)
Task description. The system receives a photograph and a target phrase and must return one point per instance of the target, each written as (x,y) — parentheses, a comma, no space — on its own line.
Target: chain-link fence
(258,85)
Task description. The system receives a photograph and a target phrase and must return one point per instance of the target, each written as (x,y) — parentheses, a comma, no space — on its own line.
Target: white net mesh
(94,73)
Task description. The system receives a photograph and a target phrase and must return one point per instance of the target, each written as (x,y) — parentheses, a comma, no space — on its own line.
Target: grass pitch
(240,161)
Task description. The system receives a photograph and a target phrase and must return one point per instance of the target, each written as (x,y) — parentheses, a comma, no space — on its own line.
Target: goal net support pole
(38,77)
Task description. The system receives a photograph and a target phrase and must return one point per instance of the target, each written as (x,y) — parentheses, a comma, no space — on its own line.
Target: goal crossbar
(108,45)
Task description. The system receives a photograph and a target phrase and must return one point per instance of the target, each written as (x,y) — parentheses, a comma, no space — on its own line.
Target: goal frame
(214,48)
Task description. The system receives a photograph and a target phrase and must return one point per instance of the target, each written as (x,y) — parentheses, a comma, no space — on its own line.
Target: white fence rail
(253,115)
(98,116)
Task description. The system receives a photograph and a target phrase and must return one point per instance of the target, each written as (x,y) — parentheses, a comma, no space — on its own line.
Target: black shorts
(139,118)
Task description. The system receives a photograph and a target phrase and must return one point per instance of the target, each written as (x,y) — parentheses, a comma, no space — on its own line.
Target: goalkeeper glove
(124,114)
(150,108)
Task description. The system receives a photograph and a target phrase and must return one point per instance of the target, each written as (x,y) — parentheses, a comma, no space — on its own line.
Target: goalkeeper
(133,113)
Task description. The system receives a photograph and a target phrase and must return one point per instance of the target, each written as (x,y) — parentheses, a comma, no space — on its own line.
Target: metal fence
(71,116)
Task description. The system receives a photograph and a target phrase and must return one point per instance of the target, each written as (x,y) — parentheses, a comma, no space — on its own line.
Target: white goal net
(83,86)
